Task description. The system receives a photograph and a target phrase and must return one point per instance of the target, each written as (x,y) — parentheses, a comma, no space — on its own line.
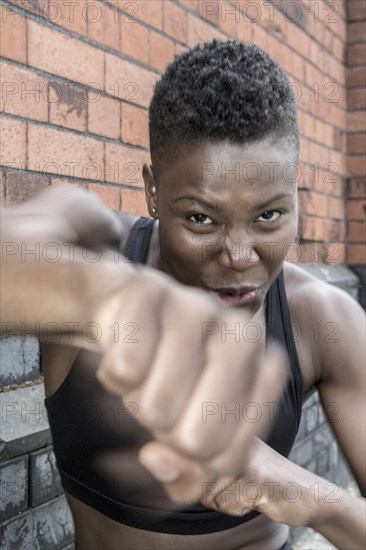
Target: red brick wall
(78,77)
(356,132)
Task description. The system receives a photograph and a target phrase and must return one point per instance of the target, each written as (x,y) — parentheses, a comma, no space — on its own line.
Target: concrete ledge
(24,422)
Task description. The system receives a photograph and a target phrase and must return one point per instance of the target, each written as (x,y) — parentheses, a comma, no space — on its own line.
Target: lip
(235,296)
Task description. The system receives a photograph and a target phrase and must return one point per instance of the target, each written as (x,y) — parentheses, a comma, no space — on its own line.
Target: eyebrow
(200,201)
(213,206)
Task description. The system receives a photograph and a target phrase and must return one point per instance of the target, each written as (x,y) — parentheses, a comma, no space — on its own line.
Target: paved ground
(313,541)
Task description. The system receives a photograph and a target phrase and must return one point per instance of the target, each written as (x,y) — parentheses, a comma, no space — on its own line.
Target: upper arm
(342,383)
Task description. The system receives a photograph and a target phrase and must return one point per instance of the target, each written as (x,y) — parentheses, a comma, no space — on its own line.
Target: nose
(238,253)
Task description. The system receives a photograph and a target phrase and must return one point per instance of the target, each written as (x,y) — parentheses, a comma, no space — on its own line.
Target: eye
(269,217)
(201,219)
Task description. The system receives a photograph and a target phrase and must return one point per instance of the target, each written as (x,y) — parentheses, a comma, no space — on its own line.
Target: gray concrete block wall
(19,360)
(35,514)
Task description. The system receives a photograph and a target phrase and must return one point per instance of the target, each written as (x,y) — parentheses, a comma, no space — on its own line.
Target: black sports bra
(86,421)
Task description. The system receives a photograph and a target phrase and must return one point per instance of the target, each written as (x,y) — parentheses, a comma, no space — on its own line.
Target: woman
(221,192)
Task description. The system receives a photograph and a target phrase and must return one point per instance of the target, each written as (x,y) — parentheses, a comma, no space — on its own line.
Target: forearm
(343,521)
(43,297)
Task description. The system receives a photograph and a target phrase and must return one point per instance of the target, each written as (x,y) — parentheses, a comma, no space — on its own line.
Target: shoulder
(331,321)
(310,294)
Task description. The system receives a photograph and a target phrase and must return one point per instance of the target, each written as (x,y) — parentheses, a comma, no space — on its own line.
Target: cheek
(278,246)
(185,249)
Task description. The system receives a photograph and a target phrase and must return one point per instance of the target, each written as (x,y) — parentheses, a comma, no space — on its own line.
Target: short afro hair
(220,90)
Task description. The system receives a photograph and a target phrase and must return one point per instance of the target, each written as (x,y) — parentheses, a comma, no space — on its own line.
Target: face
(227,214)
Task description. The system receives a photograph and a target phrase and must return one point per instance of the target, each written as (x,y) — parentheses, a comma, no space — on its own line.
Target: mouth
(234,296)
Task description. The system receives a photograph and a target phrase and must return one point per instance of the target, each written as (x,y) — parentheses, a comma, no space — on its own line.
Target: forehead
(222,165)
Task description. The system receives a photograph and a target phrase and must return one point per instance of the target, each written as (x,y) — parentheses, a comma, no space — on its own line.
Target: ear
(151,193)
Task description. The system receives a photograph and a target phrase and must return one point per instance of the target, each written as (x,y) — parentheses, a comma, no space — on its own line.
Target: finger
(238,498)
(181,476)
(227,380)
(272,374)
(178,362)
(133,337)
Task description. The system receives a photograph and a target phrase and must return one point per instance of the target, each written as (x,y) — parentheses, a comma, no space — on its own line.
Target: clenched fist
(173,371)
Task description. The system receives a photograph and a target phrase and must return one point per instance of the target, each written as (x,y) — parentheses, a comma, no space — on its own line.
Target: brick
(67,105)
(323,437)
(104,117)
(128,81)
(135,40)
(24,93)
(356,54)
(357,188)
(190,4)
(356,210)
(356,165)
(18,532)
(277,26)
(178,49)
(134,125)
(298,67)
(356,10)
(175,21)
(356,254)
(144,10)
(59,58)
(325,230)
(2,185)
(105,29)
(302,453)
(13,35)
(356,32)
(161,51)
(24,424)
(109,195)
(124,164)
(211,11)
(333,454)
(299,40)
(20,186)
(229,19)
(286,61)
(134,202)
(335,255)
(57,152)
(339,49)
(70,15)
(13,487)
(335,208)
(260,37)
(13,146)
(37,7)
(356,76)
(313,204)
(356,121)
(199,32)
(356,232)
(322,462)
(46,527)
(45,482)
(356,98)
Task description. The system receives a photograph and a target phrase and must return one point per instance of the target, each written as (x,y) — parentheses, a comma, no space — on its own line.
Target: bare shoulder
(311,295)
(330,320)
